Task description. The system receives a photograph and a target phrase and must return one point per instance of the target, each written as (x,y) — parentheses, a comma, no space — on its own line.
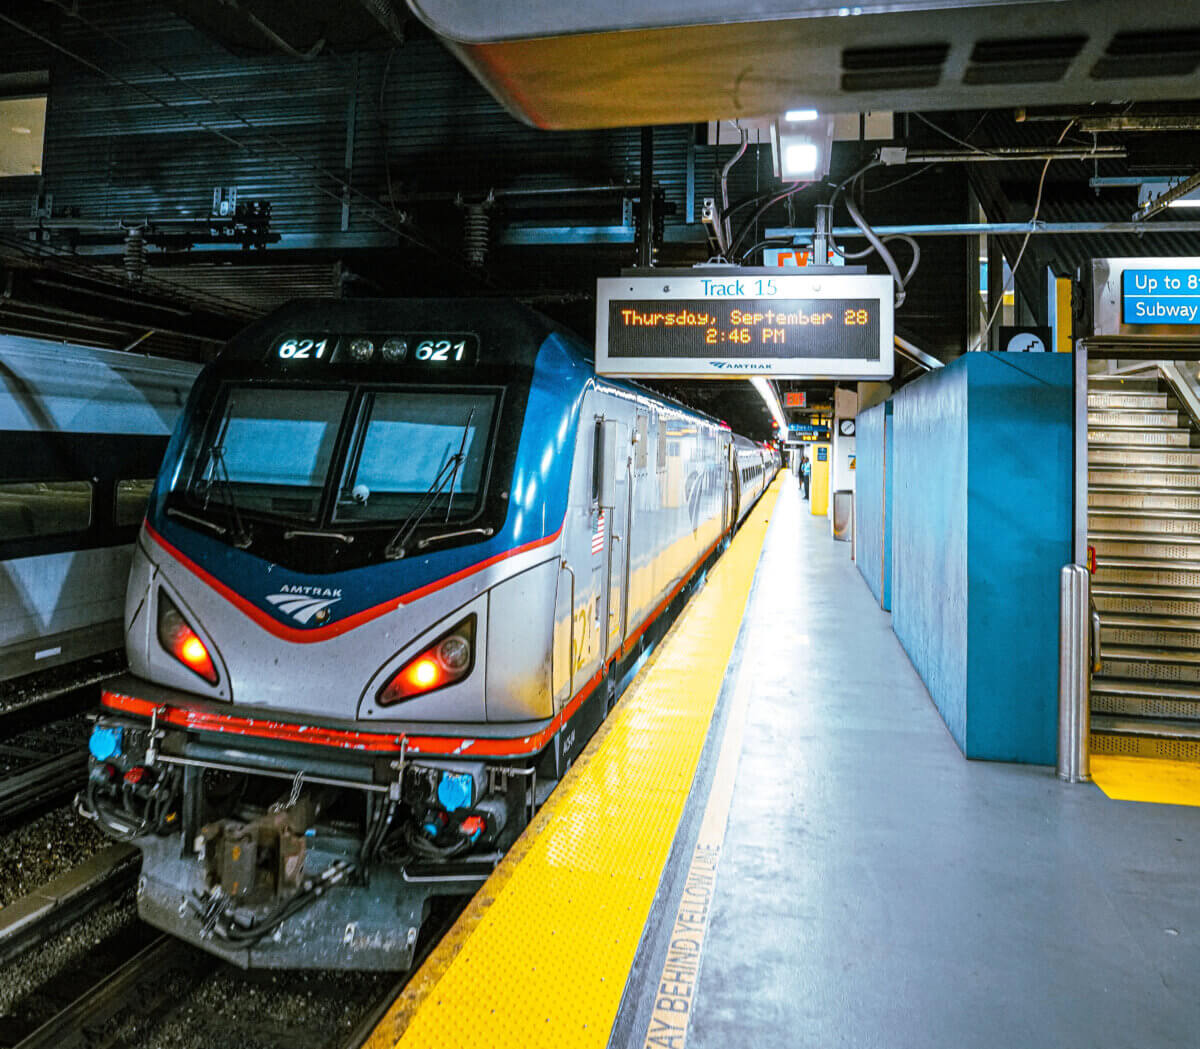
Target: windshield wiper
(241,534)
(446,475)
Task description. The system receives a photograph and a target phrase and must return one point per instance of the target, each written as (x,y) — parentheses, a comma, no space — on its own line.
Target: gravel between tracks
(38,984)
(297,1010)
(34,853)
(16,692)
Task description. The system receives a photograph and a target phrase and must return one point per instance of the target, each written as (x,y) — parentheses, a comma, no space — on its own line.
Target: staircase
(1144,523)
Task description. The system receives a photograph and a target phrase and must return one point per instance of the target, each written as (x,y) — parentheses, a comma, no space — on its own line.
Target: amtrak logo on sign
(305,603)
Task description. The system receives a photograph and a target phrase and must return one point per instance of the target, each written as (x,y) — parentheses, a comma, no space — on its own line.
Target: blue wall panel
(869,528)
(981,528)
(929,536)
(1019,523)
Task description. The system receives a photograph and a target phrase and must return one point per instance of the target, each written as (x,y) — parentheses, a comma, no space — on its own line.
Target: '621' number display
(434,348)
(299,349)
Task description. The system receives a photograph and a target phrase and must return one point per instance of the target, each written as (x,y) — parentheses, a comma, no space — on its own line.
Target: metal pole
(822,224)
(645,245)
(1074,679)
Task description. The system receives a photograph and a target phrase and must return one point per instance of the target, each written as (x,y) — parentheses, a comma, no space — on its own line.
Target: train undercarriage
(290,855)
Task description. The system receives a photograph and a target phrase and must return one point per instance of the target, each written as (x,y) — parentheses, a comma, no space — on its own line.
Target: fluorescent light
(767,392)
(20,130)
(800,116)
(1185,202)
(800,158)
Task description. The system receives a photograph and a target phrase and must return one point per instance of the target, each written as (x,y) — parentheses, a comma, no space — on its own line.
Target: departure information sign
(735,323)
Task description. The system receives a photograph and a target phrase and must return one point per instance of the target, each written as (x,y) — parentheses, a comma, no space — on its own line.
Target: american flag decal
(598,534)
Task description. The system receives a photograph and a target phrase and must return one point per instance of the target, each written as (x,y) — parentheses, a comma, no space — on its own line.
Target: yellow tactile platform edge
(540,956)
(1154,780)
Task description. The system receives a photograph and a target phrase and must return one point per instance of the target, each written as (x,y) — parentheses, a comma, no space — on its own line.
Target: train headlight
(176,635)
(361,350)
(394,350)
(448,660)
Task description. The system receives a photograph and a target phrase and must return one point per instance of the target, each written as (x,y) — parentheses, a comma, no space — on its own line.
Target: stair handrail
(1185,387)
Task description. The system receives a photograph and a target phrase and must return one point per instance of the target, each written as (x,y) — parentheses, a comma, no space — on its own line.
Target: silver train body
(83,432)
(352,683)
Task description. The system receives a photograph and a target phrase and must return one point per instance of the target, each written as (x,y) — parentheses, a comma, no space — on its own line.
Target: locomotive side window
(640,450)
(131,500)
(597,460)
(273,447)
(410,448)
(30,509)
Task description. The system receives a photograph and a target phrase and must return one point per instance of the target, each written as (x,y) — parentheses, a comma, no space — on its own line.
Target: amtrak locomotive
(397,559)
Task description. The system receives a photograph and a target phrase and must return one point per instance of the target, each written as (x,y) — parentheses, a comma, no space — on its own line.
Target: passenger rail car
(83,432)
(399,556)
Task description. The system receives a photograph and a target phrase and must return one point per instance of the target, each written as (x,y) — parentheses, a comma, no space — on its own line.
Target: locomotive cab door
(730,517)
(612,492)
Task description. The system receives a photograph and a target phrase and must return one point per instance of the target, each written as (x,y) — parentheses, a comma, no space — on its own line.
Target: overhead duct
(594,63)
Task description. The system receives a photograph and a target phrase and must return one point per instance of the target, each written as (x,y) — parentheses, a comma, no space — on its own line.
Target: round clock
(846,427)
(1025,342)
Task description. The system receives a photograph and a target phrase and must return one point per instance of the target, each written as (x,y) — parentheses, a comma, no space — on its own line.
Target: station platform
(774,841)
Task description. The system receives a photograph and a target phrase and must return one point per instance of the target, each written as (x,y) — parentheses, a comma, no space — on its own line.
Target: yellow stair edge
(541,954)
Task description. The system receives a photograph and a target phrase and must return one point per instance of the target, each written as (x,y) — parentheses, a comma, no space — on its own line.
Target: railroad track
(33,919)
(140,986)
(41,784)
(42,698)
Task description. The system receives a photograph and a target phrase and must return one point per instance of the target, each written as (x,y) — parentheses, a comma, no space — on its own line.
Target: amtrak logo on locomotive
(305,603)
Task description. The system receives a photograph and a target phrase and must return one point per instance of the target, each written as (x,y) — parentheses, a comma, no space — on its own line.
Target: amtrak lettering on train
(377,608)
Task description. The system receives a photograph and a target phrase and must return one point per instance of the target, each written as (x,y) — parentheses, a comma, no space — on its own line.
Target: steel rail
(120,989)
(31,920)
(42,782)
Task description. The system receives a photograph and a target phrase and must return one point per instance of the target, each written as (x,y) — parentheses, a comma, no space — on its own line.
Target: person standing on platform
(805,473)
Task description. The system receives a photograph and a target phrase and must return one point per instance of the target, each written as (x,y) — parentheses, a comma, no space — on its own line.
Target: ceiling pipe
(1013,154)
(801,235)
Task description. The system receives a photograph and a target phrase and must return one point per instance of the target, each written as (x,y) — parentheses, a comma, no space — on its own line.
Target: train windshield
(410,450)
(387,455)
(271,450)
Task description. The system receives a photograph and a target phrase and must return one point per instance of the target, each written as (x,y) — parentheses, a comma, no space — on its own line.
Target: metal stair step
(1151,523)
(1127,547)
(1146,572)
(1105,497)
(1144,476)
(1120,455)
(1105,436)
(1132,417)
(1123,630)
(1150,664)
(1174,602)
(1145,401)
(1143,700)
(1164,728)
(1108,383)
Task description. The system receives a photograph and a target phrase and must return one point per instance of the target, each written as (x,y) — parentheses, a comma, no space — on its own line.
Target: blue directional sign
(1160,296)
(807,428)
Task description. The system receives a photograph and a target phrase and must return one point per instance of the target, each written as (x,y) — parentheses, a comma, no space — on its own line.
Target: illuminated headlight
(361,350)
(395,350)
(448,660)
(176,635)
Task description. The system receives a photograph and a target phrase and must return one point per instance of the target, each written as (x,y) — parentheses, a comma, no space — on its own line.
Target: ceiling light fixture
(767,392)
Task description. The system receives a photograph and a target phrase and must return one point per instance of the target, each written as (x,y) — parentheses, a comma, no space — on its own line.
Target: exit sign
(795,400)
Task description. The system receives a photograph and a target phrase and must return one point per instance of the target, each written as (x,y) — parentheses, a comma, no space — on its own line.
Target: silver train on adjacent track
(399,559)
(83,432)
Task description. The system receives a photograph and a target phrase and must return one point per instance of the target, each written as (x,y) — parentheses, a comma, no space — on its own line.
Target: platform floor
(870,887)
